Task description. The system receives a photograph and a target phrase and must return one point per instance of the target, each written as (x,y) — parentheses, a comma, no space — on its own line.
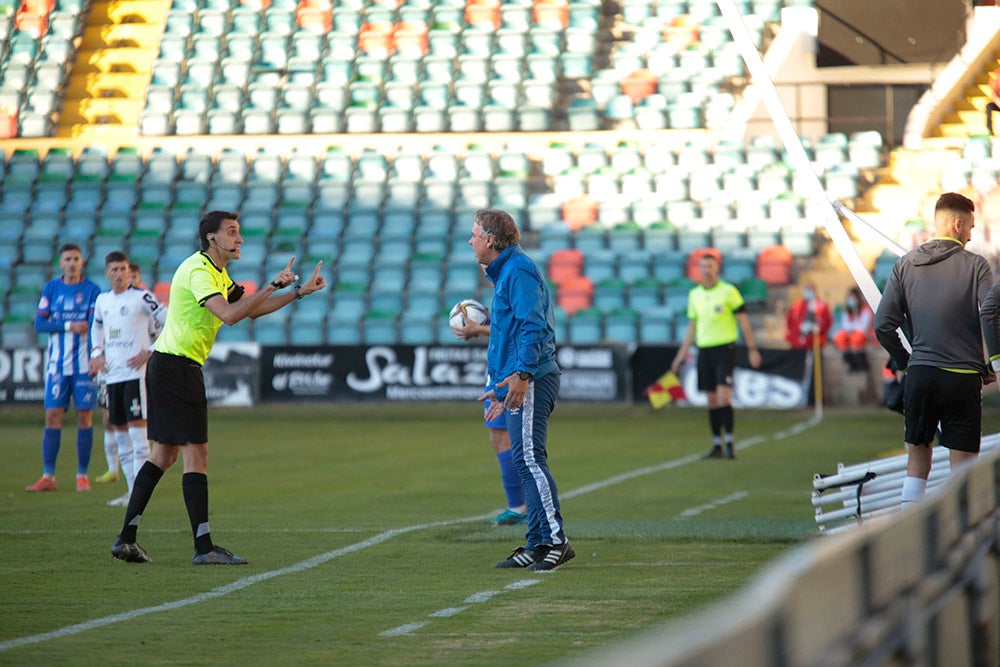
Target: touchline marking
(221,591)
(448,612)
(320,559)
(732,497)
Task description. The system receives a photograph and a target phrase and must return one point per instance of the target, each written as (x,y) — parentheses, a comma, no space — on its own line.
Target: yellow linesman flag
(665,390)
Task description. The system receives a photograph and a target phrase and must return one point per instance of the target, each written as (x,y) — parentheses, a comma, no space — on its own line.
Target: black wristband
(276,285)
(298,292)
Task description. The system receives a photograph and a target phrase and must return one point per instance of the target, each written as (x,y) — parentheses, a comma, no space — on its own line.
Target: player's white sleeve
(158,312)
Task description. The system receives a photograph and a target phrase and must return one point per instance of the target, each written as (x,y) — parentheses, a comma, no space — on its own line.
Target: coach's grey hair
(499,226)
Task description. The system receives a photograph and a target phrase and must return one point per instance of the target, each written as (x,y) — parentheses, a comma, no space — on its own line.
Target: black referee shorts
(955,400)
(178,407)
(715,366)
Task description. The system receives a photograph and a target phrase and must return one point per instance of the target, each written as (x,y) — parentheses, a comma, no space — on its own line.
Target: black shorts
(178,408)
(126,402)
(715,366)
(955,400)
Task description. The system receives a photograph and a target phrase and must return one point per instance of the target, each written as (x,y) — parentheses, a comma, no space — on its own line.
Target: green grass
(290,484)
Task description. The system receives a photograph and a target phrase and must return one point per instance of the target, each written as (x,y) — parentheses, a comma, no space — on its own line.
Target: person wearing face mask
(855,331)
(808,317)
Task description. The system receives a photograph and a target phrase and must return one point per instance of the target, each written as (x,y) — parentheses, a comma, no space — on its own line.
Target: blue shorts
(500,422)
(59,388)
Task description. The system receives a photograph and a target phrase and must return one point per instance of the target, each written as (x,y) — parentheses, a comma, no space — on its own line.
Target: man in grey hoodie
(933,295)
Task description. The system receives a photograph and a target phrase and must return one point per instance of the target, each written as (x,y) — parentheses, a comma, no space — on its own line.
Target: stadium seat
(621,326)
(774,266)
(609,294)
(585,327)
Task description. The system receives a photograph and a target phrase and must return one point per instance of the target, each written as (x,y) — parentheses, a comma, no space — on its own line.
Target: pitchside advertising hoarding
(242,374)
(782,381)
(423,373)
(232,375)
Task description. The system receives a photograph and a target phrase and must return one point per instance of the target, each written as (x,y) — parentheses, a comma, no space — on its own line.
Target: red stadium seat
(31,23)
(411,38)
(483,13)
(376,39)
(580,212)
(314,19)
(565,264)
(639,85)
(161,291)
(774,265)
(551,13)
(575,294)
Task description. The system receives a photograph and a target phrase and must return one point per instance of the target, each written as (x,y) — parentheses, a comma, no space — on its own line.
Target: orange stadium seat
(565,264)
(575,294)
(580,211)
(774,265)
(551,13)
(483,13)
(161,291)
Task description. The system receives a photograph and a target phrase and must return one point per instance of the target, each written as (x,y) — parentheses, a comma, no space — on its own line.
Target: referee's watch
(524,375)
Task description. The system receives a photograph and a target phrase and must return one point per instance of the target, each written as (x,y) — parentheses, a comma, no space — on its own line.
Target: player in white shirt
(110,442)
(126,321)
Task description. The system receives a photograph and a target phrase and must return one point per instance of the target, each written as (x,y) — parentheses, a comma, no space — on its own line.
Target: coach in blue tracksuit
(522,362)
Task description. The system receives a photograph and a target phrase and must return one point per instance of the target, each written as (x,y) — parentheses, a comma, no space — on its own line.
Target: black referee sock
(142,490)
(727,420)
(195,486)
(715,421)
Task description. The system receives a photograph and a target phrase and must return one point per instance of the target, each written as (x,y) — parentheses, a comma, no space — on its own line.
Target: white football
(468,310)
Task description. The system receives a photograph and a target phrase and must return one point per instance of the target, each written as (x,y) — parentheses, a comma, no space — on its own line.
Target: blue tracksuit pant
(528,428)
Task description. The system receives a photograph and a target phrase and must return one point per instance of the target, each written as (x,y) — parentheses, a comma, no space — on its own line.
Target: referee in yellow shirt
(202,299)
(715,307)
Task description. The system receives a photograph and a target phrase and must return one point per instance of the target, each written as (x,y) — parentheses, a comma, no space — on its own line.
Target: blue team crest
(78,297)
(123,311)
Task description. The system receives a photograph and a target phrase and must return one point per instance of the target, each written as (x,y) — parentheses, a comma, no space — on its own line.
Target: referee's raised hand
(286,277)
(315,282)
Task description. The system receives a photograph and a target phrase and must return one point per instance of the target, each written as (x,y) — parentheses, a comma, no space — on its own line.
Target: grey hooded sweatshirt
(933,295)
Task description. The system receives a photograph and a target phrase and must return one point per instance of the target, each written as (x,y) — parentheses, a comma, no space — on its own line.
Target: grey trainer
(218,556)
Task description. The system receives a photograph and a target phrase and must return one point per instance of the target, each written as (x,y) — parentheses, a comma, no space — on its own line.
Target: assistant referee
(202,299)
(715,307)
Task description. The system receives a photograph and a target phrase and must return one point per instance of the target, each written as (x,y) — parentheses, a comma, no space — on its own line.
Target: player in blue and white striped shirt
(66,312)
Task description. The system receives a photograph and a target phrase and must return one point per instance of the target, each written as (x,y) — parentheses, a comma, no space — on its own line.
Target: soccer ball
(468,310)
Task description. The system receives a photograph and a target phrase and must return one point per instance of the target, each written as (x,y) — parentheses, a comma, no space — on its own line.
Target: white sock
(913,489)
(125,457)
(140,448)
(111,450)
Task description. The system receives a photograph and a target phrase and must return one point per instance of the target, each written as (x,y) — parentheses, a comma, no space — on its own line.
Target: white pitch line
(448,612)
(316,561)
(731,498)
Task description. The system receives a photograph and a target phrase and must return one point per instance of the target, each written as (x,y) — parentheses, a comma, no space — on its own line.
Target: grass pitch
(366,527)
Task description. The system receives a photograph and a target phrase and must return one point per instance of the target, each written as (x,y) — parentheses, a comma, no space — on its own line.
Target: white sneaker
(119,502)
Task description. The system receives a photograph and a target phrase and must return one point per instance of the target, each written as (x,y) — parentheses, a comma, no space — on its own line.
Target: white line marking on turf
(404,629)
(316,561)
(731,498)
(448,612)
